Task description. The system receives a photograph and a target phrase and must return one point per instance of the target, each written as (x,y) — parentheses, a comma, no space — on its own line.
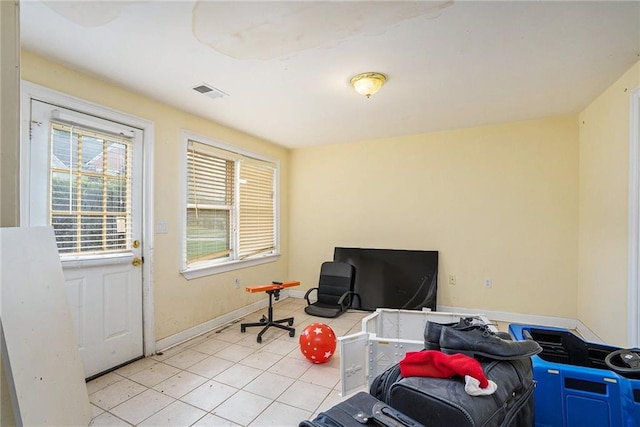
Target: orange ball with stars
(318,342)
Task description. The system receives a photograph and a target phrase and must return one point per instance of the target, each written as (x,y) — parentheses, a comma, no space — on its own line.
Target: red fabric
(433,363)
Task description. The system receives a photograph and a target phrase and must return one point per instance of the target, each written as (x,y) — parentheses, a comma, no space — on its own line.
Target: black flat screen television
(393,278)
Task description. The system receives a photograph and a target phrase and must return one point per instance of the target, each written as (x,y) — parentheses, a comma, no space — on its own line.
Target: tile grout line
(188,346)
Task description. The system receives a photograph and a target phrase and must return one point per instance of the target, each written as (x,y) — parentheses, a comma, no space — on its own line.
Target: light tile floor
(225,378)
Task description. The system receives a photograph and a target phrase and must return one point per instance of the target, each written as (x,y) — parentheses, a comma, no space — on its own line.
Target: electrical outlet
(488,283)
(452,279)
(237,283)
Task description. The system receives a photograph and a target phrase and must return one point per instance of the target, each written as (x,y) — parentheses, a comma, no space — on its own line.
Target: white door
(85,181)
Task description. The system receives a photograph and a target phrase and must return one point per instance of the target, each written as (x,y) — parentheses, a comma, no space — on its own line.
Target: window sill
(195,273)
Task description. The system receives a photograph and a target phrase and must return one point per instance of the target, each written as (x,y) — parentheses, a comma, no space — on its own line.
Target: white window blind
(230,206)
(257,225)
(210,199)
(90,198)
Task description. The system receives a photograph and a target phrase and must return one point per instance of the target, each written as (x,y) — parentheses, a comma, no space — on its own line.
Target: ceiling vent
(210,91)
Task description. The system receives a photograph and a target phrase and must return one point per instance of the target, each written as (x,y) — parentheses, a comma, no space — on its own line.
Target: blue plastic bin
(574,387)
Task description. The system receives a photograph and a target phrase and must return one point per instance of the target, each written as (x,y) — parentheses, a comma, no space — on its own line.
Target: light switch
(162,227)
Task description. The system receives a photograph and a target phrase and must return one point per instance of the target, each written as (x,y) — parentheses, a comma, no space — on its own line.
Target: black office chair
(335,290)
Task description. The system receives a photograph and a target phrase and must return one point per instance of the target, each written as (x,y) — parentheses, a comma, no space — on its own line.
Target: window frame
(210,267)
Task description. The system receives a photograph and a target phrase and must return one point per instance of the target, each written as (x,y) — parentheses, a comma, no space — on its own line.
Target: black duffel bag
(438,402)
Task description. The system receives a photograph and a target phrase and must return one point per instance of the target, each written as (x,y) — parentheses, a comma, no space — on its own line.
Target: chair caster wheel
(243,329)
(292,333)
(259,340)
(291,323)
(263,319)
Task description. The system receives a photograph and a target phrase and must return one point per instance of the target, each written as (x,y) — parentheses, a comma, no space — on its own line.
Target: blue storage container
(574,387)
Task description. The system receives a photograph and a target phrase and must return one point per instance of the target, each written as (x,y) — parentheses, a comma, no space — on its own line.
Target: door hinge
(31,123)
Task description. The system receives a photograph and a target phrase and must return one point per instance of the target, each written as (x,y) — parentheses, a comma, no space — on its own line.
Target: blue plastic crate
(574,388)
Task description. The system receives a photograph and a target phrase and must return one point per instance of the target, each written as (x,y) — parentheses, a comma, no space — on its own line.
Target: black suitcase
(437,402)
(359,410)
(381,385)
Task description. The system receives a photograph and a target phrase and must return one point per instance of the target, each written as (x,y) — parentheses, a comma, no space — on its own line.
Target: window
(230,210)
(89,191)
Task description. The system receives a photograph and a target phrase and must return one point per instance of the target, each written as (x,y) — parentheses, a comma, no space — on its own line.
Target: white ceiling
(286,65)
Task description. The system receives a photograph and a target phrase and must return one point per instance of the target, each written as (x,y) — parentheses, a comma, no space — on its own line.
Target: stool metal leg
(268,321)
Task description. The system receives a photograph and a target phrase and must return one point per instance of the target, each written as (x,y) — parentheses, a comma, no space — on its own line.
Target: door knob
(136,262)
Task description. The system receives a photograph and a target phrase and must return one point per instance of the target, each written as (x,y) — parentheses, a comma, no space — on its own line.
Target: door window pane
(90,208)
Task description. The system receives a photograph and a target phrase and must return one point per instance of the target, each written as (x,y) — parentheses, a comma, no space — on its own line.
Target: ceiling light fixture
(368,83)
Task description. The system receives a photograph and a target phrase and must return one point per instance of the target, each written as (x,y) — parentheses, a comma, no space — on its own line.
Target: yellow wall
(604,178)
(496,201)
(9,152)
(9,117)
(179,304)
(501,201)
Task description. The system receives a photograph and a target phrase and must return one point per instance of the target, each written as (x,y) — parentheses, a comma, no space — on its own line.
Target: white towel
(472,387)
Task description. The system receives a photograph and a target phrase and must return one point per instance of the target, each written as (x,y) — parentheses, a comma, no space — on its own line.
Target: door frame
(29,91)
(633,296)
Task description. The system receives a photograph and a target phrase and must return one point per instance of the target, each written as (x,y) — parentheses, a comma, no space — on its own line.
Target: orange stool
(266,322)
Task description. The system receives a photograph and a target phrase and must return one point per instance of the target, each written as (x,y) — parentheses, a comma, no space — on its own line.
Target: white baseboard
(295,293)
(587,333)
(210,325)
(500,316)
(529,319)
